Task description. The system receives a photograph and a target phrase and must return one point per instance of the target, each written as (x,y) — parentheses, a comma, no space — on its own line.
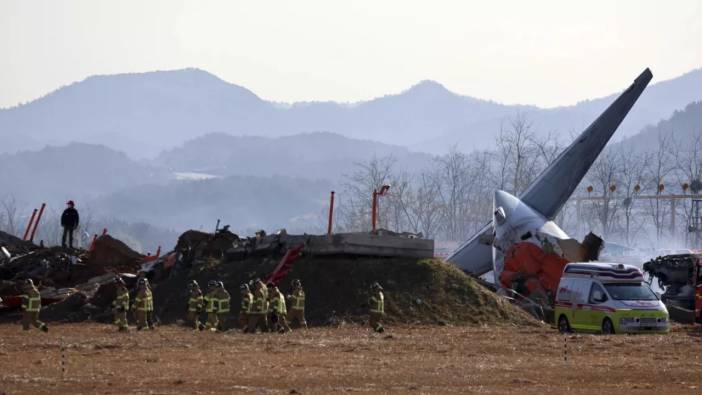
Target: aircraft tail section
(550,191)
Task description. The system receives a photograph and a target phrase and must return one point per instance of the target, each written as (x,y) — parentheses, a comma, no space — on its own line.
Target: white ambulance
(607,298)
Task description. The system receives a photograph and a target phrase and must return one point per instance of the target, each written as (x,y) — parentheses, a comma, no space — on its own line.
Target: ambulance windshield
(631,291)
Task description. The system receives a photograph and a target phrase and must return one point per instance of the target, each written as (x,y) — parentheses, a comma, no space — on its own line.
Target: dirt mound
(417,291)
(110,252)
(195,244)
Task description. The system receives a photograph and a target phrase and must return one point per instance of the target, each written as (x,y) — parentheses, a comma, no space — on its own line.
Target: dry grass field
(407,359)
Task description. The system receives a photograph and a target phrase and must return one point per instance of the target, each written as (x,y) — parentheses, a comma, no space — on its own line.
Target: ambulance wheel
(563,324)
(607,327)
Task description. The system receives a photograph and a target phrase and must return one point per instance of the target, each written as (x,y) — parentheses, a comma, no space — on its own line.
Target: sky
(539,52)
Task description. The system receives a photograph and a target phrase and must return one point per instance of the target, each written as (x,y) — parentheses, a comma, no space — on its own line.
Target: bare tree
(603,175)
(9,217)
(392,209)
(423,211)
(453,178)
(518,155)
(547,148)
(358,187)
(689,166)
(661,165)
(632,172)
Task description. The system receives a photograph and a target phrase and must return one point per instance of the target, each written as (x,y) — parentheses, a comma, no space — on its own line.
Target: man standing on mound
(69,222)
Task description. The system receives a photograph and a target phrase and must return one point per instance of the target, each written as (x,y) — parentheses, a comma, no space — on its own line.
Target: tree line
(452,198)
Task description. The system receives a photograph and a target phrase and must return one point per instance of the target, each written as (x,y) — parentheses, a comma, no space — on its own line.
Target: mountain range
(318,155)
(145,113)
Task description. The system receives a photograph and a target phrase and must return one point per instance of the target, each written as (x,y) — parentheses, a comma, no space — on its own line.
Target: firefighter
(212,305)
(296,312)
(246,305)
(120,305)
(257,318)
(224,300)
(31,305)
(277,310)
(150,305)
(377,307)
(270,317)
(264,289)
(195,304)
(143,304)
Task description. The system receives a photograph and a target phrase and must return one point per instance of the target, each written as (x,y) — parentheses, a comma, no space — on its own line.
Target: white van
(607,298)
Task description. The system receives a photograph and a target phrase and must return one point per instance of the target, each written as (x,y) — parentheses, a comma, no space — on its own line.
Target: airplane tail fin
(550,191)
(565,173)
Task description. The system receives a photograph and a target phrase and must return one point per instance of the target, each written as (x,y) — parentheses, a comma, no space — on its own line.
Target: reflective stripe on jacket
(122,299)
(298,300)
(144,300)
(377,303)
(195,302)
(246,303)
(211,302)
(224,301)
(259,305)
(149,300)
(31,301)
(278,304)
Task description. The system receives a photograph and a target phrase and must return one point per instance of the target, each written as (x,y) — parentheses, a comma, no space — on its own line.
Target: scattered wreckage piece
(680,276)
(62,273)
(381,243)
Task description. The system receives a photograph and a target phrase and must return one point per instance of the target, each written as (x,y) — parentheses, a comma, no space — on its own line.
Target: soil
(405,359)
(425,291)
(112,253)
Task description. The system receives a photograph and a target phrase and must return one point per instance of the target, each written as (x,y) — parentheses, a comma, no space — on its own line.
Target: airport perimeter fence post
(62,360)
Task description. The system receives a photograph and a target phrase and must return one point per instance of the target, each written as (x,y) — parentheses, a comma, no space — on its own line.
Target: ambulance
(607,298)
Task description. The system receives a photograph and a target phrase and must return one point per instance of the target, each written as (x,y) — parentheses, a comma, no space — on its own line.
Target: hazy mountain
(77,171)
(137,113)
(141,114)
(684,126)
(247,203)
(659,101)
(309,155)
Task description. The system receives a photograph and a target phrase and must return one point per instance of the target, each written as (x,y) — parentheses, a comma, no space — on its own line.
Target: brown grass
(407,359)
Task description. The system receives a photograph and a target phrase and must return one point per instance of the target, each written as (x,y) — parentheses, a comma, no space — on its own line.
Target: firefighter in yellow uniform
(143,304)
(257,318)
(120,305)
(212,305)
(297,304)
(149,305)
(266,304)
(377,307)
(277,310)
(195,304)
(246,305)
(31,305)
(224,300)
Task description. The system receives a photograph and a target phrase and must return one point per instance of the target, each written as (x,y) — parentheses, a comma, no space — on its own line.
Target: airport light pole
(374,208)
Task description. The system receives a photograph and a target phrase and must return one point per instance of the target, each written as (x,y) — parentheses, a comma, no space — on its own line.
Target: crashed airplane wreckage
(380,243)
(522,245)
